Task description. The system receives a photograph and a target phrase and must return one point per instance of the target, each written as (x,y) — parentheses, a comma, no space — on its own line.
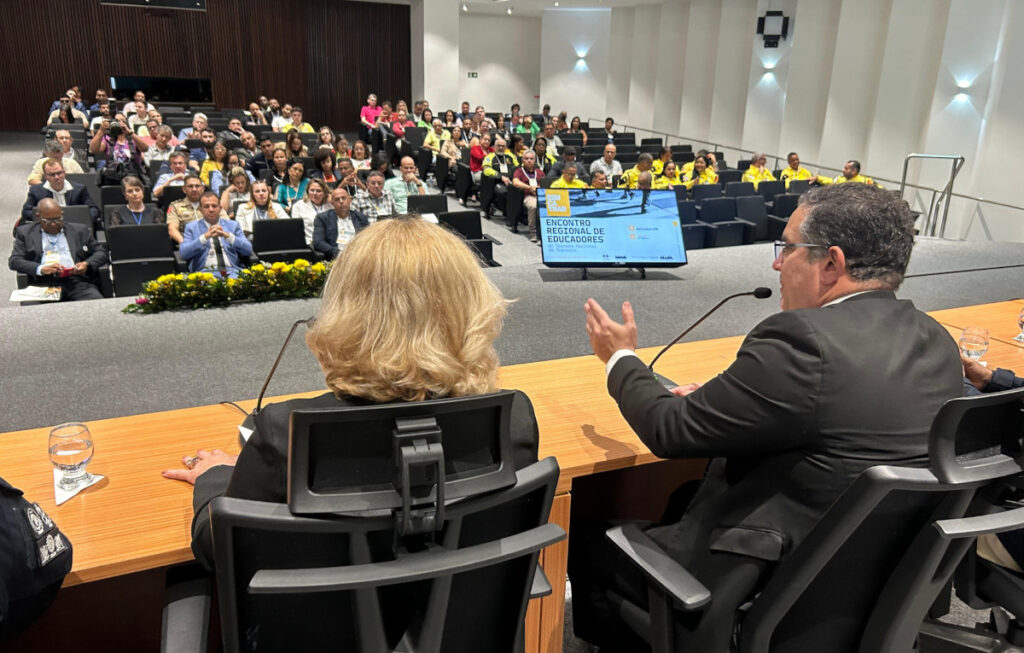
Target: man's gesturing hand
(606,335)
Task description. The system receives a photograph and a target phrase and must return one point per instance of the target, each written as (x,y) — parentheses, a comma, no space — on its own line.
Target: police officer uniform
(34,559)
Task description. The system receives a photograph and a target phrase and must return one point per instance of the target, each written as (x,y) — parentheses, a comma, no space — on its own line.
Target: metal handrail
(778,158)
(931,221)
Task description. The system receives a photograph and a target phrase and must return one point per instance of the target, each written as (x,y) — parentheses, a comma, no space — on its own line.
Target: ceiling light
(963,84)
(465,7)
(509,11)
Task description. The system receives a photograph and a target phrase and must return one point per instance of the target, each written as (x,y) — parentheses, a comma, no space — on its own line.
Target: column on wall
(619,65)
(645,71)
(698,68)
(732,64)
(576,50)
(435,52)
(766,94)
(668,92)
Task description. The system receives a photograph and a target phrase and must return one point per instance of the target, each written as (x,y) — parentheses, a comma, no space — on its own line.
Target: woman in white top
(313,204)
(260,207)
(360,156)
(238,189)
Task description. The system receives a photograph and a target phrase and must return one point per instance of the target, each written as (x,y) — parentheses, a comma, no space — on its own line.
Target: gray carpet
(88,361)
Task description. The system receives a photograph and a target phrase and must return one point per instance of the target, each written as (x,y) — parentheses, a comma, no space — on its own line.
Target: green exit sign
(471,75)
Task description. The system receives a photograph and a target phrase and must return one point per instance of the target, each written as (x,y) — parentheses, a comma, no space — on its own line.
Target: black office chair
(676,149)
(427,204)
(702,192)
(413,532)
(730,177)
(280,240)
(799,186)
(865,577)
(172,194)
(738,188)
(138,254)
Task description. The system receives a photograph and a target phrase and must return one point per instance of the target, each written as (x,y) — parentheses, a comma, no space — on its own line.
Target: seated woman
(116,143)
(260,207)
(216,158)
(668,178)
(702,174)
(664,156)
(135,212)
(278,166)
(238,190)
(293,188)
(575,128)
(342,149)
(426,119)
(441,344)
(379,162)
(360,156)
(293,145)
(500,129)
(450,121)
(313,204)
(325,138)
(323,167)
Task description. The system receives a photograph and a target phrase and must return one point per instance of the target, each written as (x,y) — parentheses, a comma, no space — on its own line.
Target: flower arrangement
(259,283)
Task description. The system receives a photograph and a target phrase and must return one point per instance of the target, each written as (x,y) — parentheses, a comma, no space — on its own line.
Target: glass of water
(974,342)
(1020,323)
(70,451)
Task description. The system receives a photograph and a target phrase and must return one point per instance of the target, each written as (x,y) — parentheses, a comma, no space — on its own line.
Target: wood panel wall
(324,55)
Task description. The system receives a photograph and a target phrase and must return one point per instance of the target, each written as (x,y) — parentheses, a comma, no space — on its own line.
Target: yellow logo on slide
(557,202)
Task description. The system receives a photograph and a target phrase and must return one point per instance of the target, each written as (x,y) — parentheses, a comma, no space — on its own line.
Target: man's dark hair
(791,154)
(176,155)
(294,109)
(190,176)
(569,151)
(873,227)
(207,194)
(207,129)
(855,164)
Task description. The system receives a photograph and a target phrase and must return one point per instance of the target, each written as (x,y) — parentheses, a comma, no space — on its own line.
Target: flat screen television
(162,89)
(584,228)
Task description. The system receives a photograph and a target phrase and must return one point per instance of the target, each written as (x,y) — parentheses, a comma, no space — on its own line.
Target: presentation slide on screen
(610,227)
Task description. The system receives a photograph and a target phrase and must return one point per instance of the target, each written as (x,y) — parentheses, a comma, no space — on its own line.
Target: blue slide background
(630,237)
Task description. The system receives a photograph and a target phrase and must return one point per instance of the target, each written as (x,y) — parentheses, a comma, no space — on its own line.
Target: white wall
(514,76)
(567,84)
(435,38)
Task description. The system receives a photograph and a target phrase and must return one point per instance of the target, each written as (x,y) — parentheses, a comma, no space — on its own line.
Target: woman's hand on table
(196,465)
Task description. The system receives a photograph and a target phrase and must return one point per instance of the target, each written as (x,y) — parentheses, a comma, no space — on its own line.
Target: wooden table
(136,521)
(999,318)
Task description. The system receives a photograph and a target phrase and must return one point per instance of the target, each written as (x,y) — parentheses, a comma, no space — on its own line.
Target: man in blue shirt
(214,244)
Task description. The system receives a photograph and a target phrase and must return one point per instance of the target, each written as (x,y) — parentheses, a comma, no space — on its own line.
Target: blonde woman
(261,207)
(437,342)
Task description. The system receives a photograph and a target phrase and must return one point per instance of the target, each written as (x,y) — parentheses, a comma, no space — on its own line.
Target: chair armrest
(998,522)
(106,285)
(541,586)
(186,618)
(658,567)
(180,264)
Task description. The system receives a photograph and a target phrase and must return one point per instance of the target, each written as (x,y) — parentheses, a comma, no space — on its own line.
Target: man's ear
(834,267)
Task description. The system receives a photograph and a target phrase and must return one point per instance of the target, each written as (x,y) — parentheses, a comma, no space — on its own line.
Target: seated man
(215,243)
(101,98)
(785,425)
(527,179)
(248,151)
(644,163)
(296,123)
(554,142)
(480,118)
(71,152)
(233,132)
(197,155)
(347,177)
(851,173)
(59,189)
(175,176)
(599,180)
(568,178)
(758,170)
(199,123)
(53,151)
(30,573)
(464,112)
(52,253)
(281,119)
(138,115)
(262,160)
(185,210)
(105,113)
(436,137)
(607,163)
(333,229)
(499,165)
(408,184)
(375,202)
(795,171)
(161,149)
(138,97)
(569,156)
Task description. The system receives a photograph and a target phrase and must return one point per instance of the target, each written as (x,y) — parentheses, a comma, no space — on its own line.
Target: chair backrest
(680,148)
(769,189)
(415,135)
(891,541)
(340,552)
(428,204)
(138,242)
(687,211)
(172,194)
(730,176)
(705,191)
(750,207)
(651,141)
(784,204)
(738,188)
(799,186)
(465,223)
(718,209)
(743,164)
(276,235)
(79,213)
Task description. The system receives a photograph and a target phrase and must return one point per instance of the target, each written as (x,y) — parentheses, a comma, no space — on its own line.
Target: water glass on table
(71,450)
(974,342)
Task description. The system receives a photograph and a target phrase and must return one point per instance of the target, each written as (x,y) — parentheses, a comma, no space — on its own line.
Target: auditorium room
(538,326)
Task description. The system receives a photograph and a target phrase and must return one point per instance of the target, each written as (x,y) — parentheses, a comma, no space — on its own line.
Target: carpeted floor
(88,361)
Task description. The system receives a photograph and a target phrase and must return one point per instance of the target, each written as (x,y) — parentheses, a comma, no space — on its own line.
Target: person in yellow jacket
(644,162)
(795,171)
(664,156)
(702,173)
(758,171)
(668,178)
(709,157)
(568,178)
(851,172)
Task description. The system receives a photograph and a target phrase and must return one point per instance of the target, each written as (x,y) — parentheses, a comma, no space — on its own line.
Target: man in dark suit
(52,253)
(333,229)
(844,378)
(56,187)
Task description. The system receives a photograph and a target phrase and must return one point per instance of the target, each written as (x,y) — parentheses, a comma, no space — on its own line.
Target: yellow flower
(301,264)
(319,267)
(206,276)
(277,266)
(232,282)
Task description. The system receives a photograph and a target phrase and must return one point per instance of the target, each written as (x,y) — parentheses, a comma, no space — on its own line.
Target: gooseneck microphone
(277,361)
(759,293)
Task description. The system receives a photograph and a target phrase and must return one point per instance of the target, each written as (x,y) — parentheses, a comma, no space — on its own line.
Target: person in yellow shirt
(644,162)
(758,171)
(296,123)
(795,171)
(568,178)
(709,158)
(702,173)
(669,177)
(599,180)
(851,172)
(664,156)
(436,136)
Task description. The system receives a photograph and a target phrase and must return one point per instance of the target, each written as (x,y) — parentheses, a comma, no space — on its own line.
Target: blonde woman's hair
(408,314)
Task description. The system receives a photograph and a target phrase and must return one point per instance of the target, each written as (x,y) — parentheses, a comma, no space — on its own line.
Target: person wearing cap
(569,156)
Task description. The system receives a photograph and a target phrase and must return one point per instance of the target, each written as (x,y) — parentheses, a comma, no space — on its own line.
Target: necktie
(220,255)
